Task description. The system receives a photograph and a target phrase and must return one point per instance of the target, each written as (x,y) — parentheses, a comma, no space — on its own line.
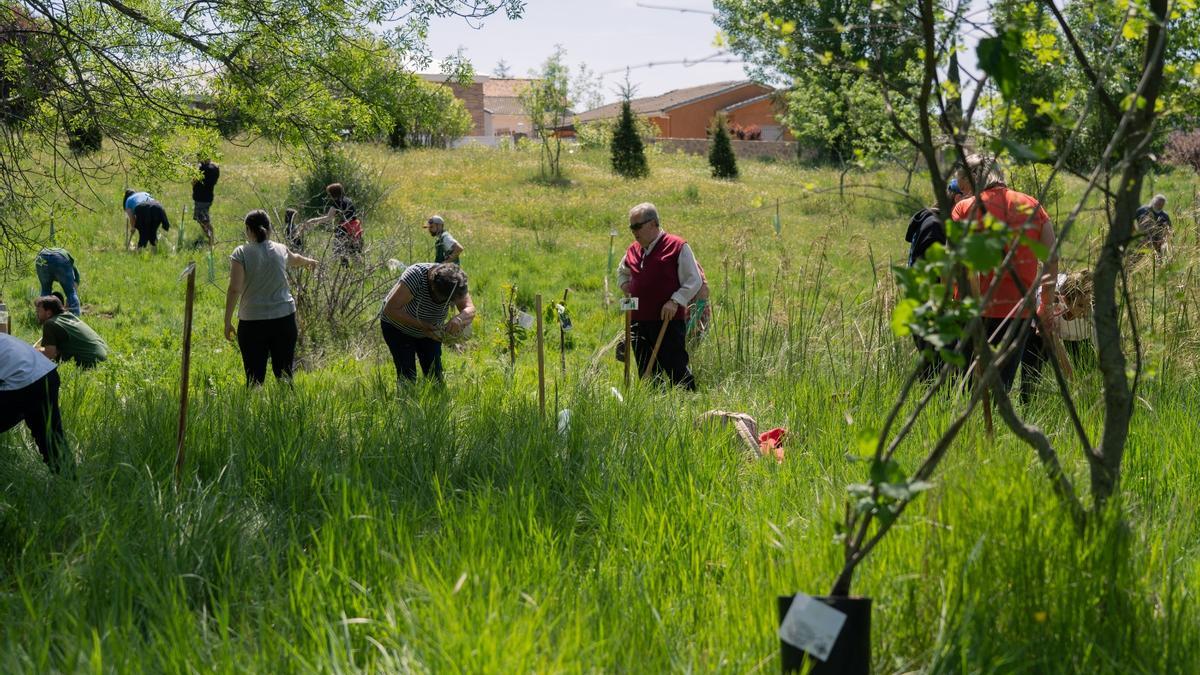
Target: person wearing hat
(446,248)
(925,229)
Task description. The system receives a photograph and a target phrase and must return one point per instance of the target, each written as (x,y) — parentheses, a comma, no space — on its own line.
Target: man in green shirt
(65,336)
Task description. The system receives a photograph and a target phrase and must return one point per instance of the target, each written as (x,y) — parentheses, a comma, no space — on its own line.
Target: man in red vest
(660,270)
(982,180)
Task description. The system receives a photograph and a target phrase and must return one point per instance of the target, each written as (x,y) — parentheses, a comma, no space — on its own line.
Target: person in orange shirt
(982,181)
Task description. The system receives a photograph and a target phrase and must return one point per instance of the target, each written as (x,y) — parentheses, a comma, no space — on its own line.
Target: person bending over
(144,214)
(29,393)
(258,287)
(56,264)
(66,337)
(413,319)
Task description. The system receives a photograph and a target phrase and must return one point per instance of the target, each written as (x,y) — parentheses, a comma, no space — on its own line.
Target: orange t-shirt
(1018,211)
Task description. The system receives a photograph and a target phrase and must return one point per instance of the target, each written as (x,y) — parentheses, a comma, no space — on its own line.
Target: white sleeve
(689,277)
(622,274)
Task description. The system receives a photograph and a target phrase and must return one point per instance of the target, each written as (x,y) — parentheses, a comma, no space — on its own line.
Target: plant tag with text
(525,320)
(629,304)
(811,625)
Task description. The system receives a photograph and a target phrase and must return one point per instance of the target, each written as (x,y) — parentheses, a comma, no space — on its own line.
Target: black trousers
(672,361)
(37,406)
(408,350)
(996,329)
(147,217)
(268,338)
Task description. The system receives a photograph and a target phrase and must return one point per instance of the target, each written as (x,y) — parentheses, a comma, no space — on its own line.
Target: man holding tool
(660,270)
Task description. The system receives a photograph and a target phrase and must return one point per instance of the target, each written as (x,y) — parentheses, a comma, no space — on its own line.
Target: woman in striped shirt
(414,316)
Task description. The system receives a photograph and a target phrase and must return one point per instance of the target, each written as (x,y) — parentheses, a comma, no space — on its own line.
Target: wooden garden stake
(190,273)
(541,357)
(654,354)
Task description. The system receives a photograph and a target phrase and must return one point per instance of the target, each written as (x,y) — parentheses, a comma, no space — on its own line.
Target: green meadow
(343,524)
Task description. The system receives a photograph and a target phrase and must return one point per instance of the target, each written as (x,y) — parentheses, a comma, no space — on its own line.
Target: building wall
(765,114)
(780,150)
(472,96)
(505,125)
(692,120)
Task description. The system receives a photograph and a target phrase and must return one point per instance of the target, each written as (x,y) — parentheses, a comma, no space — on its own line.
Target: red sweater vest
(653,279)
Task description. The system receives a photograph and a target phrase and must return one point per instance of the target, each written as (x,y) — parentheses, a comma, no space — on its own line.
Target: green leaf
(999,57)
(982,252)
(865,442)
(887,471)
(902,316)
(920,486)
(1039,249)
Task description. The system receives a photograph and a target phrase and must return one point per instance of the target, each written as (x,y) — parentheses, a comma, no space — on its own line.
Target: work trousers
(408,350)
(996,329)
(672,360)
(268,338)
(52,267)
(37,406)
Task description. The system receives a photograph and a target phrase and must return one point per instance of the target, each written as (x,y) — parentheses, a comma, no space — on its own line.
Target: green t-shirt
(74,339)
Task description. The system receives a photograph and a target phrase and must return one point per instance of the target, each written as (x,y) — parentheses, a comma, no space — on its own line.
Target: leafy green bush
(333,164)
(1031,179)
(599,134)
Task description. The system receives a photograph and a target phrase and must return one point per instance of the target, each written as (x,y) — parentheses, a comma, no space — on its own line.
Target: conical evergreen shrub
(720,155)
(628,155)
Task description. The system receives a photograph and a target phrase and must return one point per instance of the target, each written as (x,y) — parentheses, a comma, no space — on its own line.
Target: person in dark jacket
(925,229)
(202,195)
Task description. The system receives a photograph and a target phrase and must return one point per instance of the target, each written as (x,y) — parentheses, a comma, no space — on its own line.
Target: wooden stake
(1060,355)
(654,354)
(190,272)
(541,357)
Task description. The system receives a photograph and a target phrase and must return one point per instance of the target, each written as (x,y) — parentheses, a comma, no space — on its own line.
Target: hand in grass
(230,332)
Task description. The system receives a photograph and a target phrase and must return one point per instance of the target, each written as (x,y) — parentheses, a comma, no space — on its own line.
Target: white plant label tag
(525,320)
(811,625)
(629,304)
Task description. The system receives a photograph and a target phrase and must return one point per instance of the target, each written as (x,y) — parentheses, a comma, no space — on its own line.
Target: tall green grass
(341,525)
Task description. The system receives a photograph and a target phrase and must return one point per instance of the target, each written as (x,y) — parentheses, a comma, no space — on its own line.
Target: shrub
(628,154)
(1031,179)
(1183,149)
(720,155)
(599,134)
(363,184)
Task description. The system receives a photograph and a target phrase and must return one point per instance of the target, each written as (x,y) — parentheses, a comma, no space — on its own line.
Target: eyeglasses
(634,227)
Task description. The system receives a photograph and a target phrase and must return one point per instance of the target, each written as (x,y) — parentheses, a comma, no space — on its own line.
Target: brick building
(688,113)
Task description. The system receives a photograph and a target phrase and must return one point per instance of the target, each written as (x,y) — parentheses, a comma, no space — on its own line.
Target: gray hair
(1159,198)
(643,212)
(981,172)
(449,281)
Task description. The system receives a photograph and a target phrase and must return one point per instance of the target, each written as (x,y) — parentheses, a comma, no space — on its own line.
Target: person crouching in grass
(258,287)
(66,337)
(413,320)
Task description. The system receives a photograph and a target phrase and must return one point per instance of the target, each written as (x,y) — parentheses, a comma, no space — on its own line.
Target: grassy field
(341,525)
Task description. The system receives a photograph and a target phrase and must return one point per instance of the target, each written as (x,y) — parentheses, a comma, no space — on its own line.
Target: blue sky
(607,35)
(604,34)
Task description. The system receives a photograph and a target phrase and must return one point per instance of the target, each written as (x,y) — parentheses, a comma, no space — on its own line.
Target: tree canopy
(139,73)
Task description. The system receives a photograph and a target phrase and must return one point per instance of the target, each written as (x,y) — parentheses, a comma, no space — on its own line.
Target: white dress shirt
(689,273)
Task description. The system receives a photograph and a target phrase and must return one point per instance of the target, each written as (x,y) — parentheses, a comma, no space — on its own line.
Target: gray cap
(435,220)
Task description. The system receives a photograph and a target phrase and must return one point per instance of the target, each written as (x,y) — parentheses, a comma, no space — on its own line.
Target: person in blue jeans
(56,264)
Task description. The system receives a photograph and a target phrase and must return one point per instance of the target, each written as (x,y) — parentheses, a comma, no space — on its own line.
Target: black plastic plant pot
(851,654)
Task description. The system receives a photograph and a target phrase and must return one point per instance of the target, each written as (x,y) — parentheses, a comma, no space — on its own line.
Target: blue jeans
(53,267)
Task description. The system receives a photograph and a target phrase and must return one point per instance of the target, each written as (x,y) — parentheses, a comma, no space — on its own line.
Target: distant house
(494,104)
(687,113)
